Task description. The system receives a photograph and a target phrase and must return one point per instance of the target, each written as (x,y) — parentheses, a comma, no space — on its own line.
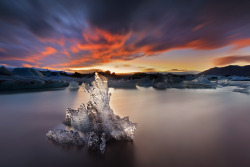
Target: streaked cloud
(72,34)
(231,59)
(177,70)
(49,51)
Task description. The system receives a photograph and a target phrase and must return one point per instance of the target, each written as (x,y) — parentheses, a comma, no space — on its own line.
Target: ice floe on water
(243,90)
(97,120)
(32,78)
(238,78)
(73,85)
(121,83)
(27,78)
(200,82)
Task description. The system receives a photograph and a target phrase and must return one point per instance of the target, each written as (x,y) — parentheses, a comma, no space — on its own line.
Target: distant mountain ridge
(243,71)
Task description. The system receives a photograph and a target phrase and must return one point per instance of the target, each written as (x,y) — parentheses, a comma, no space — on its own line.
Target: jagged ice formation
(98,120)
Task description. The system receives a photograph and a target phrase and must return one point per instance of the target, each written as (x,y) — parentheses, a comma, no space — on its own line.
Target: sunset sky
(124,35)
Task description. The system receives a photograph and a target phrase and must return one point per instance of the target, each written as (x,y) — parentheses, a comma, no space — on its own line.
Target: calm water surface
(176,128)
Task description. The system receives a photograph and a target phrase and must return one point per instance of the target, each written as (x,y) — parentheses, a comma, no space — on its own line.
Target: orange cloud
(177,70)
(199,44)
(65,52)
(34,59)
(149,70)
(231,59)
(241,43)
(102,45)
(74,49)
(105,47)
(91,36)
(49,51)
(73,63)
(18,58)
(91,46)
(27,65)
(2,50)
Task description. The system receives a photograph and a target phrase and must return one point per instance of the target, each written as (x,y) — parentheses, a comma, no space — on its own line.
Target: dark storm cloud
(113,15)
(27,13)
(85,32)
(194,24)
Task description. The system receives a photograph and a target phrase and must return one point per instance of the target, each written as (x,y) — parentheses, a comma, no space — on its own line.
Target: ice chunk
(241,84)
(167,81)
(238,78)
(27,78)
(160,85)
(73,85)
(62,136)
(98,119)
(222,82)
(96,142)
(103,143)
(200,82)
(4,71)
(244,90)
(102,116)
(145,82)
(78,119)
(122,83)
(27,72)
(93,141)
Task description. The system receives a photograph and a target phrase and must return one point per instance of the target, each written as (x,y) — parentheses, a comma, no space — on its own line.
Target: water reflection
(120,153)
(65,146)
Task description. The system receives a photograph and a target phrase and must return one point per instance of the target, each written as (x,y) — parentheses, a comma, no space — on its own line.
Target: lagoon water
(176,128)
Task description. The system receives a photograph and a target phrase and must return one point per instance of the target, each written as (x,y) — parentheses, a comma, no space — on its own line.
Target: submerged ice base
(97,119)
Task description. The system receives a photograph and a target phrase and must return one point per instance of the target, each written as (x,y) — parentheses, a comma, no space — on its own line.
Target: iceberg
(97,120)
(238,78)
(73,85)
(222,82)
(5,71)
(122,83)
(145,82)
(22,83)
(200,82)
(77,119)
(244,90)
(27,78)
(160,85)
(27,72)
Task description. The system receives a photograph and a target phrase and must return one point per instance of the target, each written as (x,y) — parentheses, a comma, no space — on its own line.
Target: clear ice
(98,120)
